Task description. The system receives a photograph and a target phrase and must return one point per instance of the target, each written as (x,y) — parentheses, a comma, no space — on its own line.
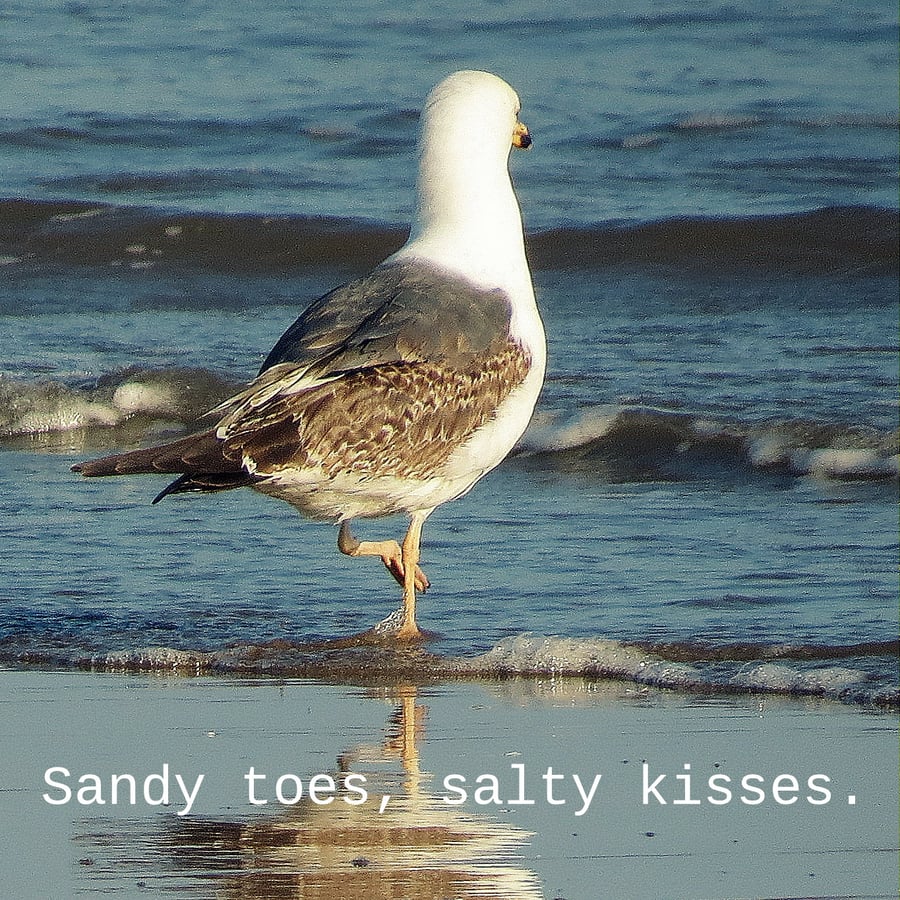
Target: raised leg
(389,552)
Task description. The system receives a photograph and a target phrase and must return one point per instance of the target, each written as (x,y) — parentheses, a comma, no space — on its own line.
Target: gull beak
(521,139)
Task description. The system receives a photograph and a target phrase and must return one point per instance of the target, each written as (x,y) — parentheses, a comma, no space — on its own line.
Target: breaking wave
(135,399)
(633,442)
(125,408)
(856,675)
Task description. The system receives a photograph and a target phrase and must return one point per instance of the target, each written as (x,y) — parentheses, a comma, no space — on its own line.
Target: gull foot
(393,629)
(394,565)
(388,552)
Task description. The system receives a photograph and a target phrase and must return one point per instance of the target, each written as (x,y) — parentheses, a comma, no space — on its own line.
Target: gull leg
(410,557)
(389,552)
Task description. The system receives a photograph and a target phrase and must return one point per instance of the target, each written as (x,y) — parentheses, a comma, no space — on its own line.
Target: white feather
(467,217)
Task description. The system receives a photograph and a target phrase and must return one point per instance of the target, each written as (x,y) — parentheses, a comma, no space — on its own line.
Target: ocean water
(707,497)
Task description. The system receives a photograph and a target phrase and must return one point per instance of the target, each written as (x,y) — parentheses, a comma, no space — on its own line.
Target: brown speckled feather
(399,420)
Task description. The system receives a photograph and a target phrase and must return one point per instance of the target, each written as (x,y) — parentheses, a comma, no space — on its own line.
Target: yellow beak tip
(521,137)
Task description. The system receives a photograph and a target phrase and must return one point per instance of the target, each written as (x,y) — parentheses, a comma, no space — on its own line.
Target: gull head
(467,216)
(474,110)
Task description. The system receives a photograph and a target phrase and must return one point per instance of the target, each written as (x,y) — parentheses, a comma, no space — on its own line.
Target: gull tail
(199,459)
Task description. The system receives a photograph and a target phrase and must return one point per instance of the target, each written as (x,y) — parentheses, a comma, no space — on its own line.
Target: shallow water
(707,497)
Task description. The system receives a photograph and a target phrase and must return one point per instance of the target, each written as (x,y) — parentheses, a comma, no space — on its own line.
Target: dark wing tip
(174,487)
(206,483)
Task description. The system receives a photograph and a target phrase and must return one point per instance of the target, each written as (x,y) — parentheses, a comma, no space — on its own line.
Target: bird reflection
(417,847)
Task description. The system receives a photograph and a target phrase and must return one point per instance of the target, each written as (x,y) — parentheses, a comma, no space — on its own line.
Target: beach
(481,784)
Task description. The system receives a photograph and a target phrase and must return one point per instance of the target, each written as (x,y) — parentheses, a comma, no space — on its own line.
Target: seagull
(398,391)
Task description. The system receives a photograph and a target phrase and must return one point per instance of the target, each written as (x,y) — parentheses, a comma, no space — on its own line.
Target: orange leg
(389,552)
(410,559)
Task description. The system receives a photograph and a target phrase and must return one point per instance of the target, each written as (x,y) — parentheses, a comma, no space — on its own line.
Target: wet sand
(763,797)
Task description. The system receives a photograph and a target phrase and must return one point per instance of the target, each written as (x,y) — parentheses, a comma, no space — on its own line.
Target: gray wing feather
(402,313)
(397,313)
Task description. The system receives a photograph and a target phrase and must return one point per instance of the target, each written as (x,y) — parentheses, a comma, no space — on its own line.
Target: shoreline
(743,670)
